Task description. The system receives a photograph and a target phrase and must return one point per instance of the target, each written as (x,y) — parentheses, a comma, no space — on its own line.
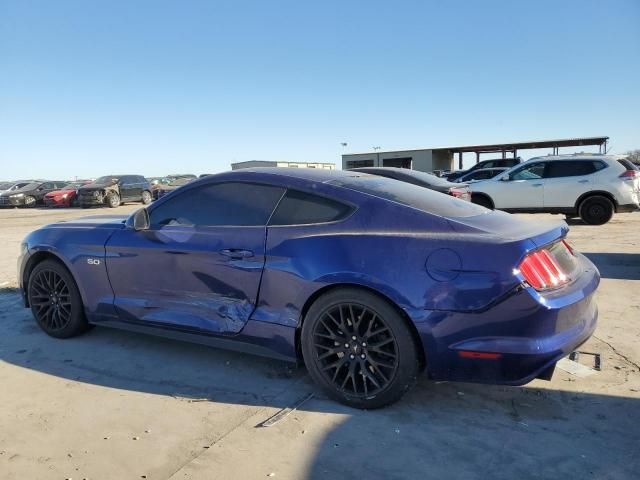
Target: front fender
(82,252)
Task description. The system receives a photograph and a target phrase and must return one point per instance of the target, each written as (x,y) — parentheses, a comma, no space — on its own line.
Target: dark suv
(495,163)
(30,194)
(112,190)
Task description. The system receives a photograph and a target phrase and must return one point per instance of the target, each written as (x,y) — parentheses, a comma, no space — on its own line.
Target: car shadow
(466,431)
(621,266)
(439,429)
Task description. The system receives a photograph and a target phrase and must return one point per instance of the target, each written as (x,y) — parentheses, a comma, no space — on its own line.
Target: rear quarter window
(410,195)
(300,208)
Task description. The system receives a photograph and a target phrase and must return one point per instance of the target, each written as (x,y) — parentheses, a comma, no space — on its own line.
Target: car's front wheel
(359,349)
(596,210)
(55,300)
(113,200)
(146,197)
(29,201)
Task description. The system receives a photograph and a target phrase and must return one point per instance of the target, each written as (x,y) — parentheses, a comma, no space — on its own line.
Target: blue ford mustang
(366,279)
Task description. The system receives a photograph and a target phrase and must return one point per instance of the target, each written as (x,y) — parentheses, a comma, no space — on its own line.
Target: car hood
(96,186)
(92,221)
(56,193)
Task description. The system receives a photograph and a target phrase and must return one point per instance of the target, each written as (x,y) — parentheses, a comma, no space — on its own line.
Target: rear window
(411,195)
(299,208)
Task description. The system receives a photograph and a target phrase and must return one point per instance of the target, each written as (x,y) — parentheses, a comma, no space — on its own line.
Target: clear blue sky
(89,88)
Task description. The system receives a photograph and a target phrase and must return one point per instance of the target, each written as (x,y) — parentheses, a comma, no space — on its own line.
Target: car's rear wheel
(146,197)
(29,201)
(359,349)
(55,300)
(596,210)
(113,200)
(482,200)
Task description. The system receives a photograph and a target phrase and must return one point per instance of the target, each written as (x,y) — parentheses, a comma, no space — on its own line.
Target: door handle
(536,184)
(583,181)
(236,253)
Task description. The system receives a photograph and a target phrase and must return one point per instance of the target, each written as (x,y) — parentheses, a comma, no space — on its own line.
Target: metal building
(443,158)
(267,163)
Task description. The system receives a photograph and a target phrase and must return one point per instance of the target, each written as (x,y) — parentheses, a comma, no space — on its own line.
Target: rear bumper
(517,340)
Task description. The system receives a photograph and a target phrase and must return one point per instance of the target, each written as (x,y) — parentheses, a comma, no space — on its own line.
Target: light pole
(377,149)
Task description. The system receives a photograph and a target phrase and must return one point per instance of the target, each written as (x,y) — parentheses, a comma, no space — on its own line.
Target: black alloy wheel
(359,349)
(355,349)
(55,301)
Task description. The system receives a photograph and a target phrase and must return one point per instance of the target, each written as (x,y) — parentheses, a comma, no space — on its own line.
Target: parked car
(422,179)
(161,189)
(66,197)
(480,174)
(113,190)
(494,163)
(592,187)
(29,195)
(366,279)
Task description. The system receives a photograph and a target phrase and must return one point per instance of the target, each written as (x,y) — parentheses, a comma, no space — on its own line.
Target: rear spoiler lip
(552,235)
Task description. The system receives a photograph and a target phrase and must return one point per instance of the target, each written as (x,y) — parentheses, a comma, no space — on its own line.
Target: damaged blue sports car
(367,280)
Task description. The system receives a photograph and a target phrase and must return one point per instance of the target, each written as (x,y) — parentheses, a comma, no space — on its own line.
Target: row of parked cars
(109,190)
(591,187)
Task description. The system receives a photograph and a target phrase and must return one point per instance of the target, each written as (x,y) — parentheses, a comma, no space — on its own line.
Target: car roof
(315,174)
(578,156)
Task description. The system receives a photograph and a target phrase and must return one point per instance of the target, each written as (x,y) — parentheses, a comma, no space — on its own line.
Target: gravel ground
(112,404)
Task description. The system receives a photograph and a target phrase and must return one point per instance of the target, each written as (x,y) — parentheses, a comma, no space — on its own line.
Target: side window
(47,186)
(220,204)
(570,168)
(534,171)
(299,208)
(490,165)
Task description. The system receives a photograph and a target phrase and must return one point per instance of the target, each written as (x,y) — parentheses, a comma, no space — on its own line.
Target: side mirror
(506,178)
(138,220)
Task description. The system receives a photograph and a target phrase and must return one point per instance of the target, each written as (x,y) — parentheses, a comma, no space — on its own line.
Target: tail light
(630,174)
(542,270)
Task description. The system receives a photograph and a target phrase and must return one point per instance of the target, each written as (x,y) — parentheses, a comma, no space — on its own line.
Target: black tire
(146,197)
(596,210)
(338,351)
(29,201)
(482,200)
(113,200)
(55,300)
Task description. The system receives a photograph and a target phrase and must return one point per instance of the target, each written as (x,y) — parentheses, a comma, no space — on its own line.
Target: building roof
(500,147)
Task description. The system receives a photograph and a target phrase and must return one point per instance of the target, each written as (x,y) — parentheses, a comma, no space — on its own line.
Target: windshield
(73,186)
(106,180)
(411,195)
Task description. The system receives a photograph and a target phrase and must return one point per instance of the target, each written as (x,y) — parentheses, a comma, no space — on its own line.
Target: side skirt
(257,338)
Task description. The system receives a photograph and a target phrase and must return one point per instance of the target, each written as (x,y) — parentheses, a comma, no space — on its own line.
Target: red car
(63,198)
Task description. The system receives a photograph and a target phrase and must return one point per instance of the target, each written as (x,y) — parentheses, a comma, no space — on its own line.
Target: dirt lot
(119,405)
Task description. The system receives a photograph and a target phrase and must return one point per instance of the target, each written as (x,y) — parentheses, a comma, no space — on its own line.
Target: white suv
(592,187)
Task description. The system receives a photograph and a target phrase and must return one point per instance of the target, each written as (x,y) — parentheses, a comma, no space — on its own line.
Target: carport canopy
(504,148)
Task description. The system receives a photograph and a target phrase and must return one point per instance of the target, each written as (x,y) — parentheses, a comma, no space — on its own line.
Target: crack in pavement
(622,355)
(253,412)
